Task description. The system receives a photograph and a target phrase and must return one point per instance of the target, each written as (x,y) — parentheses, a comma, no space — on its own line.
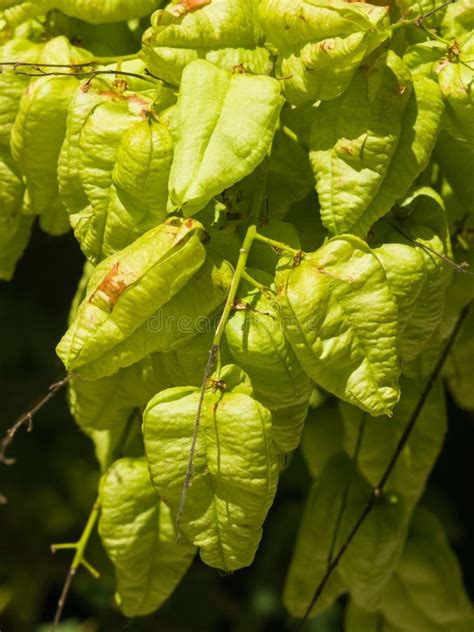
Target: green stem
(250,236)
(78,559)
(262,288)
(278,245)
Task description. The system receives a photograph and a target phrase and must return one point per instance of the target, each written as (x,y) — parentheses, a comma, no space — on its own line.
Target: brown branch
(27,418)
(459,267)
(378,489)
(189,470)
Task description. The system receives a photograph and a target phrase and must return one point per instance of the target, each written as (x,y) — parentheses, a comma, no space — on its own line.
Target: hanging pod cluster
(274,202)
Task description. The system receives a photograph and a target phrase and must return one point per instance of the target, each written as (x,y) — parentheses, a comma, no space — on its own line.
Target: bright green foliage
(343,346)
(234,481)
(321,43)
(38,133)
(209,157)
(125,291)
(257,343)
(88,10)
(14,227)
(225,32)
(418,278)
(354,138)
(139,535)
(328,160)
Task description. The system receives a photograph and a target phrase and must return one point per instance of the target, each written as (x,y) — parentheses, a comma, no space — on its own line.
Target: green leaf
(321,43)
(420,128)
(234,471)
(225,32)
(138,533)
(335,502)
(109,401)
(125,291)
(38,133)
(185,365)
(99,141)
(209,156)
(290,178)
(426,591)
(418,278)
(341,319)
(82,103)
(257,343)
(359,620)
(264,258)
(15,227)
(380,438)
(459,369)
(12,85)
(354,138)
(456,160)
(322,437)
(455,77)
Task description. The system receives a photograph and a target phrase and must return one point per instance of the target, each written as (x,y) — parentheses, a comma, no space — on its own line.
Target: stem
(28,418)
(279,246)
(78,560)
(417,21)
(262,288)
(378,489)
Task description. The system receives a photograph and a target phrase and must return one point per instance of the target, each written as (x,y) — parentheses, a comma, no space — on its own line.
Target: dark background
(52,486)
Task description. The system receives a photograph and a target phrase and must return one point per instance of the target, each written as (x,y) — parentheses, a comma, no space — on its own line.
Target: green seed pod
(256,340)
(233,456)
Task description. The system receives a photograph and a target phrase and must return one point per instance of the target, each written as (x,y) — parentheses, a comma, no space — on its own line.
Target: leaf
(459,370)
(257,343)
(209,157)
(139,536)
(455,77)
(354,138)
(290,178)
(15,227)
(99,142)
(264,258)
(420,128)
(322,437)
(224,32)
(335,502)
(82,103)
(380,438)
(359,620)
(418,278)
(109,401)
(38,133)
(126,290)
(185,365)
(456,160)
(12,85)
(426,592)
(321,43)
(234,470)
(341,320)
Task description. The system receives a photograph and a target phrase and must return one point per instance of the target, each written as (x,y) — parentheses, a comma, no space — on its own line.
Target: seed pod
(234,470)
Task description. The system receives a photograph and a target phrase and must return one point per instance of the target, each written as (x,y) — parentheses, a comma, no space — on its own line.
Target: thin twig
(27,418)
(378,489)
(197,421)
(459,267)
(347,489)
(91,73)
(419,19)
